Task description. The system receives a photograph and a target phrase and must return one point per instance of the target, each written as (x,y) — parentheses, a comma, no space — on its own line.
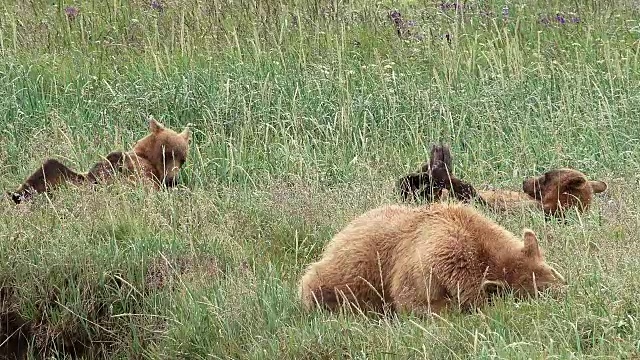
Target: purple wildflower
(505,11)
(560,19)
(156,5)
(446,5)
(398,22)
(411,23)
(71,12)
(395,15)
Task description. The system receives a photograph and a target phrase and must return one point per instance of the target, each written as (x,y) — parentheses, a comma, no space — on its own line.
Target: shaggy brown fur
(560,189)
(434,177)
(554,192)
(424,259)
(156,158)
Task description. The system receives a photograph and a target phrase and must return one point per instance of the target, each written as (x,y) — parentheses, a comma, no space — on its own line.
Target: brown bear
(424,259)
(434,177)
(561,189)
(554,192)
(155,159)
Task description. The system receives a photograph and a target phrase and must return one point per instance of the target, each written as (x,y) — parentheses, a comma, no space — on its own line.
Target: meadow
(304,114)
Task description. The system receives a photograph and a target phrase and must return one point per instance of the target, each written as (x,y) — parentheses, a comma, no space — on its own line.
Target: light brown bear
(422,260)
(155,159)
(554,192)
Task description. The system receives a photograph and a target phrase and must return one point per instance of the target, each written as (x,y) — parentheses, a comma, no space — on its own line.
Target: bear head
(561,189)
(525,271)
(166,150)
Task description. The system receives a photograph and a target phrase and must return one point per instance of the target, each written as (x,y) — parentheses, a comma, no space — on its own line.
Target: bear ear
(154,125)
(492,286)
(531,248)
(186,133)
(598,186)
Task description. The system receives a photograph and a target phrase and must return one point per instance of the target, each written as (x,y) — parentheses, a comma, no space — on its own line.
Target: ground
(304,114)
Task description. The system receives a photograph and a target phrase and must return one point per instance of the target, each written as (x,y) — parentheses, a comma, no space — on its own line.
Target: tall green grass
(304,115)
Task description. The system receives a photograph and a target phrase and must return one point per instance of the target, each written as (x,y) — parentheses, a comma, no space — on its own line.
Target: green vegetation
(304,115)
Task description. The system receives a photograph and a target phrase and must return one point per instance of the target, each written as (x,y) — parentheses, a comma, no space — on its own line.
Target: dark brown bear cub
(155,159)
(433,178)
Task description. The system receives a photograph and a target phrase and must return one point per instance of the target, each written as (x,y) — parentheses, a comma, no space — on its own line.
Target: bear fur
(435,177)
(155,159)
(424,260)
(554,192)
(561,189)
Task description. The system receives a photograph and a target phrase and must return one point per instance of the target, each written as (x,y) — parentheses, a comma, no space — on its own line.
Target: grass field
(304,114)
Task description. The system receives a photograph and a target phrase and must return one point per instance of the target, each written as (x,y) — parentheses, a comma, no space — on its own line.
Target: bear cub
(424,260)
(155,159)
(433,178)
(561,189)
(554,192)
